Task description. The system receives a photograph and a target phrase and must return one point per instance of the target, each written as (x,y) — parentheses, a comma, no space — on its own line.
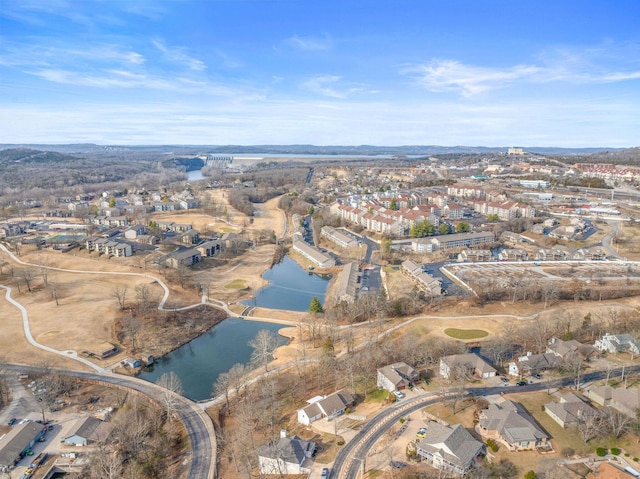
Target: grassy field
(236,284)
(466,333)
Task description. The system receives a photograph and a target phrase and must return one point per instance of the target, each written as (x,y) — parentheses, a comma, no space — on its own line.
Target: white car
(398,394)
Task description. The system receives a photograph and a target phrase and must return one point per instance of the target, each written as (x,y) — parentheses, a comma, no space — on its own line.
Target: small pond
(199,362)
(290,287)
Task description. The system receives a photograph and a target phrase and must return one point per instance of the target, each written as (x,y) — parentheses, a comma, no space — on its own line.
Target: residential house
(108,247)
(325,406)
(147,239)
(163,206)
(564,349)
(190,237)
(618,343)
(509,423)
(475,255)
(469,363)
(132,232)
(452,450)
(569,410)
(424,281)
(453,211)
(339,237)
(625,400)
(458,240)
(187,257)
(534,363)
(313,254)
(291,455)
(396,377)
(210,248)
(513,255)
(348,283)
(82,431)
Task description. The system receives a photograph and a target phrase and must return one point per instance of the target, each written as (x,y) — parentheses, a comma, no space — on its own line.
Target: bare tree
(264,344)
(131,326)
(237,378)
(105,463)
(173,385)
(618,423)
(589,425)
(119,293)
(144,298)
(53,291)
(27,275)
(221,386)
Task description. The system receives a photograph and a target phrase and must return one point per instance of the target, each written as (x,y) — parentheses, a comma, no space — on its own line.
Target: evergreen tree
(315,307)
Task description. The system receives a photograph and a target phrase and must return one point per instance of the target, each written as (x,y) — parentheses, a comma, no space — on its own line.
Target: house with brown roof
(565,348)
(396,377)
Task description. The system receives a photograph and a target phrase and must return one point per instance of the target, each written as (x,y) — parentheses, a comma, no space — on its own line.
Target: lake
(290,287)
(199,362)
(195,175)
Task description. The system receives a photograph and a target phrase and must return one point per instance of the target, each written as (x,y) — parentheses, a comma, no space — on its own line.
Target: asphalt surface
(197,424)
(351,456)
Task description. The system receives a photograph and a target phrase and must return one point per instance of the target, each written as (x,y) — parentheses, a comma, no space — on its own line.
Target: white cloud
(310,43)
(327,85)
(178,55)
(451,75)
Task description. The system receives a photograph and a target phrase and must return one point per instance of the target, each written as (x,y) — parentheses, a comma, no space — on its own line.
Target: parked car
(398,394)
(12,421)
(325,473)
(398,464)
(422,433)
(521,383)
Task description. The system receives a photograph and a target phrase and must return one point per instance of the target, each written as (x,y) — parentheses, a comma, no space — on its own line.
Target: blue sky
(345,72)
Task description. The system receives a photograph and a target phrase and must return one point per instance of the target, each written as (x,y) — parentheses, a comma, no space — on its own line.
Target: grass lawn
(378,395)
(466,333)
(236,284)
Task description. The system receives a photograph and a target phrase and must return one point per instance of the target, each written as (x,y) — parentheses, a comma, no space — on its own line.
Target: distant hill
(27,155)
(419,150)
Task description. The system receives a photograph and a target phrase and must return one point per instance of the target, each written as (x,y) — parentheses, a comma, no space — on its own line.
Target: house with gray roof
(14,444)
(450,449)
(509,423)
(534,363)
(569,410)
(396,377)
(625,400)
(469,363)
(291,455)
(82,431)
(618,343)
(325,406)
(348,283)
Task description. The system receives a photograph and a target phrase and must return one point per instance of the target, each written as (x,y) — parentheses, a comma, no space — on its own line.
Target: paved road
(351,456)
(198,425)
